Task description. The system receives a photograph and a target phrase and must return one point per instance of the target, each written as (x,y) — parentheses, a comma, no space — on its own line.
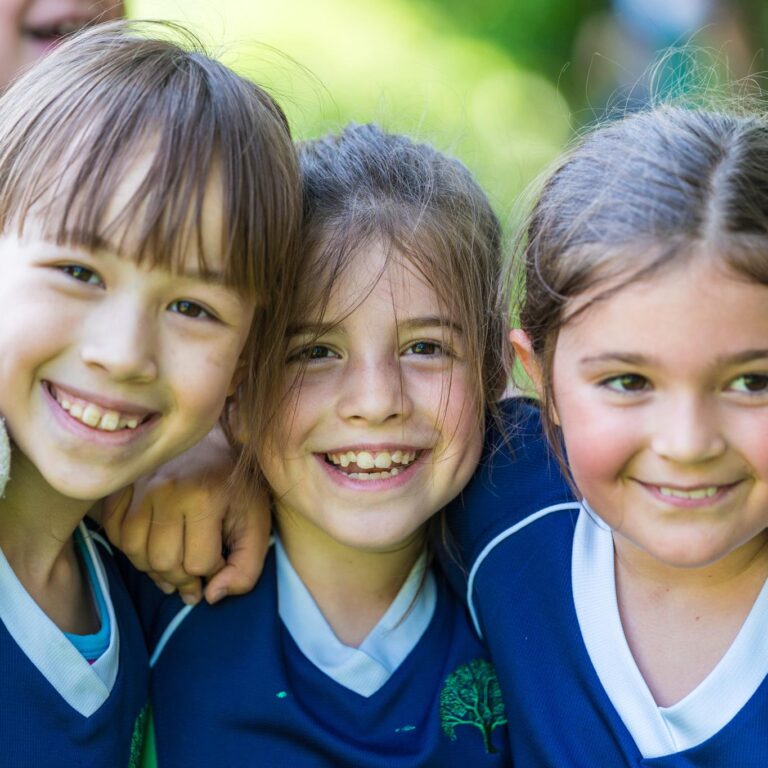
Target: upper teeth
(94,416)
(371,459)
(697,493)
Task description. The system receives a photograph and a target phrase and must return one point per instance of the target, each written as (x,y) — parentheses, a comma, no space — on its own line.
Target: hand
(175,524)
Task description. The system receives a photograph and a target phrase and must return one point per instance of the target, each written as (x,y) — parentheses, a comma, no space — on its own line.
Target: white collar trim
(702,713)
(367,668)
(85,687)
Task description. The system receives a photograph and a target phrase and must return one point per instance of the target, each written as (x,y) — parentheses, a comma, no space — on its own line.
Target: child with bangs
(352,651)
(148,202)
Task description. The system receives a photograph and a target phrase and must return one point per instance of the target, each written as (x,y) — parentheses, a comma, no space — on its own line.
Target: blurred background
(502,84)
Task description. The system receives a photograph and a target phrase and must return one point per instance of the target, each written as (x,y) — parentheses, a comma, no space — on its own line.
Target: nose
(121,339)
(373,391)
(688,431)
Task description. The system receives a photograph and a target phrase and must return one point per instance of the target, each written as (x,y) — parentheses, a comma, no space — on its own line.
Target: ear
(237,379)
(523,347)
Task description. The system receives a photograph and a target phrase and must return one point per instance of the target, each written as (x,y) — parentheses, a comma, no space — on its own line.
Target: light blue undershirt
(95,645)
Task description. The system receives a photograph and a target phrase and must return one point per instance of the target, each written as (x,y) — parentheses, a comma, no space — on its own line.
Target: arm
(176,523)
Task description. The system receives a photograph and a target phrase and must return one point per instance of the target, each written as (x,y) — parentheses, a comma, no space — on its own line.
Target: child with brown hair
(352,651)
(149,199)
(629,628)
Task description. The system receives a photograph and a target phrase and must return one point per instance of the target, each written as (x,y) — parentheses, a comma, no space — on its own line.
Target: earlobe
(523,347)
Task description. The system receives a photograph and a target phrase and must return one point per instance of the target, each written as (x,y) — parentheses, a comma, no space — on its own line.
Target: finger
(134,533)
(203,542)
(248,550)
(165,546)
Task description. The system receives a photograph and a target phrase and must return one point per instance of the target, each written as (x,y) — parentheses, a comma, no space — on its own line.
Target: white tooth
(397,457)
(91,415)
(65,404)
(76,410)
(350,456)
(394,471)
(700,493)
(364,460)
(712,491)
(344,459)
(383,461)
(110,421)
(131,423)
(354,475)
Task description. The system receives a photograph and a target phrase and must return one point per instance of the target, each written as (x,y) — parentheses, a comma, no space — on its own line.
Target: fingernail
(215,596)
(169,589)
(190,599)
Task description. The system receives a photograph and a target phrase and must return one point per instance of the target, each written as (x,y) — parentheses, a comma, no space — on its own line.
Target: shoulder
(518,480)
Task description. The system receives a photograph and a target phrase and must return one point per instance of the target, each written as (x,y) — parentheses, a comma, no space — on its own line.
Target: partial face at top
(30,28)
(381,432)
(662,394)
(108,369)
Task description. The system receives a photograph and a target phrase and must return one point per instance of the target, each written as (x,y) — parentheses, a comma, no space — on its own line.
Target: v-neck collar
(704,711)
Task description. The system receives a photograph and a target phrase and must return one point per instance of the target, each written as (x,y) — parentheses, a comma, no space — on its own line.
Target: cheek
(599,444)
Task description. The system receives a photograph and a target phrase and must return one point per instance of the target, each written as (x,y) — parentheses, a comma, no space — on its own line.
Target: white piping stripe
(498,539)
(169,630)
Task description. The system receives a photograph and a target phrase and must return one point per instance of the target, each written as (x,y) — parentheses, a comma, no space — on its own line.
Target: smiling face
(380,431)
(108,368)
(661,391)
(31,28)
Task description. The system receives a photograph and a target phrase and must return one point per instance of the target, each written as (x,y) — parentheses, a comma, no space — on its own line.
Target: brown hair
(365,186)
(636,197)
(74,126)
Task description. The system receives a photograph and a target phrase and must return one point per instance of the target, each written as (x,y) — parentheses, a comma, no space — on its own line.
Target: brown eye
(190,309)
(751,383)
(628,382)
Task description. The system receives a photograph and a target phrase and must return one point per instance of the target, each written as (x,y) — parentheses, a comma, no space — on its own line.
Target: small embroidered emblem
(137,739)
(405,729)
(471,696)
(281,695)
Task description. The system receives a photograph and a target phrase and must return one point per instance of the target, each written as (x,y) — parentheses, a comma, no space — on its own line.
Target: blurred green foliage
(475,79)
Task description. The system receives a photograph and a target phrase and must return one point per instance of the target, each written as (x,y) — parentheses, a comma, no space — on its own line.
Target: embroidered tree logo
(137,740)
(471,695)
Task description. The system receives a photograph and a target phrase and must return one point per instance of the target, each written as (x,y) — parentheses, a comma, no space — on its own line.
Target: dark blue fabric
(231,688)
(37,726)
(559,714)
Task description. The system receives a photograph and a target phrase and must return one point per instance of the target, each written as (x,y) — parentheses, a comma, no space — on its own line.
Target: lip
(106,403)
(122,437)
(724,490)
(343,480)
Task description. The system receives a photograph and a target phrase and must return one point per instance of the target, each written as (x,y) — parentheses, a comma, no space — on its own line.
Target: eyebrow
(411,323)
(629,358)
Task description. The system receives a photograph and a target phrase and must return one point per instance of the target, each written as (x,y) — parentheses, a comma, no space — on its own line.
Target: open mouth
(373,465)
(50,34)
(97,416)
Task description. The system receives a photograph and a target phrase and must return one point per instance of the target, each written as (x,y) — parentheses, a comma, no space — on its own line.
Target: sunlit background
(502,84)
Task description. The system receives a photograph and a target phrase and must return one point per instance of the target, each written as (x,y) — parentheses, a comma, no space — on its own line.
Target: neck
(353,588)
(36,527)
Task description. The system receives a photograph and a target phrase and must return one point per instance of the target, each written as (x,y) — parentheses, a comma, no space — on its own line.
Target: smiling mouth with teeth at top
(372,465)
(96,416)
(51,33)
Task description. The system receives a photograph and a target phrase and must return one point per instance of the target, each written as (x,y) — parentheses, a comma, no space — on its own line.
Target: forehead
(134,218)
(379,278)
(690,315)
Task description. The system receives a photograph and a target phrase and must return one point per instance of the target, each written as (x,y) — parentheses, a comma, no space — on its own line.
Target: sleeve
(518,475)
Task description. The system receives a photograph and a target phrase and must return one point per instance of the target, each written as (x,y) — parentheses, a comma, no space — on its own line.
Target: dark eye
(424,348)
(628,382)
(751,383)
(312,352)
(81,274)
(190,309)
